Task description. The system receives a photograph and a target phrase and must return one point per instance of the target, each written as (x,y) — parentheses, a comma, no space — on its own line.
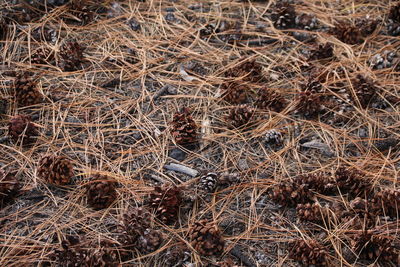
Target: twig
(182,169)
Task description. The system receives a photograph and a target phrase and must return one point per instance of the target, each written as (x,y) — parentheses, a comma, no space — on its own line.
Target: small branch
(182,169)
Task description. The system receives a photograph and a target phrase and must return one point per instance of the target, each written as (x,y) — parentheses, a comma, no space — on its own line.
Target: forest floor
(291,105)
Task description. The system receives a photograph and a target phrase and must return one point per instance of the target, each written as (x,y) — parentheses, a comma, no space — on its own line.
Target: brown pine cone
(81,10)
(26,92)
(42,56)
(394,13)
(270,99)
(246,70)
(322,51)
(176,254)
(104,254)
(72,253)
(20,127)
(184,128)
(372,246)
(367,26)
(290,194)
(284,16)
(312,212)
(309,252)
(351,181)
(387,202)
(234,92)
(310,98)
(101,192)
(206,238)
(166,202)
(364,90)
(347,33)
(9,187)
(240,116)
(134,224)
(318,182)
(56,170)
(71,56)
(149,241)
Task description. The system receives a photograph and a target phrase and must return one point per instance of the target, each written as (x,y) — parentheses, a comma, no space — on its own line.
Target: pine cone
(101,192)
(184,128)
(9,187)
(71,56)
(206,238)
(309,252)
(42,56)
(322,51)
(134,224)
(105,255)
(284,16)
(374,247)
(56,170)
(81,10)
(364,90)
(26,92)
(149,241)
(270,99)
(387,202)
(175,255)
(309,100)
(352,182)
(20,127)
(312,212)
(234,93)
(347,33)
(394,13)
(166,201)
(273,137)
(290,194)
(367,26)
(318,182)
(247,70)
(72,253)
(240,116)
(208,182)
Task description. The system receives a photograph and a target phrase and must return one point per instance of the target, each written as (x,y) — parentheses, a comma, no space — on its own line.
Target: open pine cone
(101,192)
(56,170)
(352,182)
(312,212)
(26,92)
(184,128)
(9,187)
(309,252)
(364,90)
(284,16)
(206,238)
(149,241)
(240,116)
(134,224)
(318,181)
(234,92)
(309,99)
(71,56)
(290,194)
(322,51)
(372,246)
(347,33)
(72,253)
(42,56)
(20,127)
(387,202)
(270,99)
(208,182)
(247,70)
(103,254)
(166,202)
